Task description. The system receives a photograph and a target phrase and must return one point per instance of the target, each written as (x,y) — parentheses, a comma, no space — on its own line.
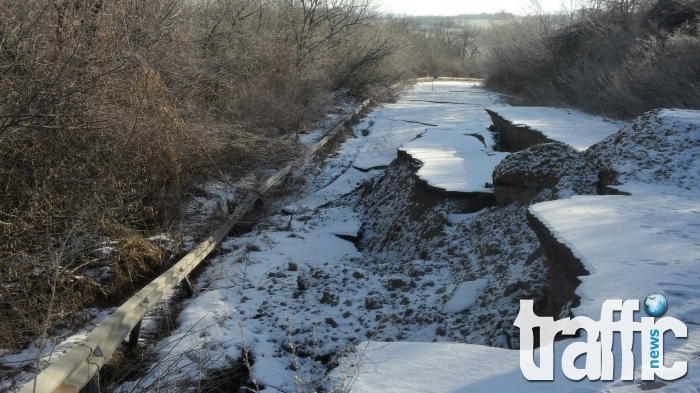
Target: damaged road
(397,238)
(385,250)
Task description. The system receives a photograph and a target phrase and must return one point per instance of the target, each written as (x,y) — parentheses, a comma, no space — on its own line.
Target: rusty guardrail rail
(75,370)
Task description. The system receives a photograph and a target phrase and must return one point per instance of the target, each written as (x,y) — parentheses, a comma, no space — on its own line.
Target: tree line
(115,113)
(618,58)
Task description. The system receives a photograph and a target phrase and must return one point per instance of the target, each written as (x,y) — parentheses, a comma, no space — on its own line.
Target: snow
(457,106)
(438,125)
(457,153)
(575,128)
(464,295)
(628,238)
(443,367)
(294,283)
(339,104)
(635,245)
(661,147)
(342,185)
(454,161)
(43,352)
(341,221)
(439,367)
(458,218)
(383,131)
(248,298)
(631,245)
(292,288)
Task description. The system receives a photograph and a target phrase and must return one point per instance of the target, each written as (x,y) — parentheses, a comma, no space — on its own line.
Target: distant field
(478,23)
(478,20)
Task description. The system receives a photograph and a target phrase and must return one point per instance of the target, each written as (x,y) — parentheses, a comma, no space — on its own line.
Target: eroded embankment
(497,248)
(412,230)
(564,270)
(412,208)
(511,137)
(539,171)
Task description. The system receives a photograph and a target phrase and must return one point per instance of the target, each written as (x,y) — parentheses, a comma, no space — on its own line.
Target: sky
(456,7)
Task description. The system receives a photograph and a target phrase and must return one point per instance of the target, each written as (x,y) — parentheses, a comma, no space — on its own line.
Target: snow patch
(570,126)
(454,161)
(465,295)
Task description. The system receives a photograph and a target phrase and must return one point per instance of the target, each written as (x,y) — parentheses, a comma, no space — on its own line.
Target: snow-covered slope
(661,146)
(648,242)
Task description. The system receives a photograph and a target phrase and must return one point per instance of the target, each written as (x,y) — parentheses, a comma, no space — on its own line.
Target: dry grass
(113,113)
(446,48)
(92,151)
(618,59)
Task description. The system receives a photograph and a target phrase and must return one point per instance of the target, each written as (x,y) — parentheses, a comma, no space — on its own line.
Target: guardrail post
(134,336)
(71,371)
(187,287)
(92,386)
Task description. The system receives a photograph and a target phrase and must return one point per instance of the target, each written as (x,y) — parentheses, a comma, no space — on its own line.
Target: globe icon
(655,305)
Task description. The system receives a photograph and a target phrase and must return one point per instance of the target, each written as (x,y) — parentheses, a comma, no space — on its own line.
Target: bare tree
(316,25)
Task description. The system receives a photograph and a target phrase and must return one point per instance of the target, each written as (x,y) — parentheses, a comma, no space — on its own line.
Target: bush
(446,47)
(620,59)
(114,112)
(92,149)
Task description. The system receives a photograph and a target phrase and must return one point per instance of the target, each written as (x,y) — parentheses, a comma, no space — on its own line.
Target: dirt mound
(498,245)
(661,146)
(398,209)
(522,176)
(426,245)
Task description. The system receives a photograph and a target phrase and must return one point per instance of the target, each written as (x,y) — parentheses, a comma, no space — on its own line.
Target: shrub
(114,112)
(92,148)
(618,59)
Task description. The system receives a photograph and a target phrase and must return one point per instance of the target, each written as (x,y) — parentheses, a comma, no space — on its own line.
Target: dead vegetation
(114,113)
(612,57)
(446,47)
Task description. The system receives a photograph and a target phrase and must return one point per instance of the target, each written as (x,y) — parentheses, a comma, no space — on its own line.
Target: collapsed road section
(423,230)
(383,251)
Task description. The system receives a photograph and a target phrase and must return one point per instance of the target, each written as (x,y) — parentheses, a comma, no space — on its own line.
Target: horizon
(456,7)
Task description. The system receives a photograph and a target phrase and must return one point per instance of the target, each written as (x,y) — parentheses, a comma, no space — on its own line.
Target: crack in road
(479,137)
(374,168)
(416,122)
(443,102)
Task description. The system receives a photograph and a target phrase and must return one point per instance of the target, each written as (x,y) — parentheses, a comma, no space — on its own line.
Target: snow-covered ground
(446,123)
(294,289)
(300,294)
(455,161)
(632,246)
(214,201)
(52,348)
(575,128)
(454,106)
(457,153)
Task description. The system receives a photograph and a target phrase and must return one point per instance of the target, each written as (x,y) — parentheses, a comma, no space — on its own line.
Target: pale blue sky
(455,7)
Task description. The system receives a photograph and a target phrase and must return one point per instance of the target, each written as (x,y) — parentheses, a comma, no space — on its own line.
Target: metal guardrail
(446,79)
(76,369)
